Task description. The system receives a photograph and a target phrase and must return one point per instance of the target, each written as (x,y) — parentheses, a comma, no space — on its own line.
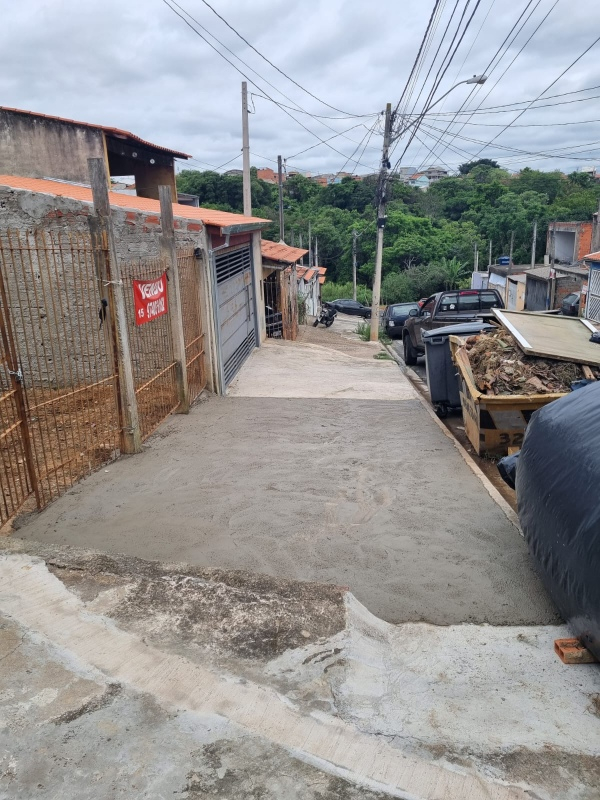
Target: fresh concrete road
(321,465)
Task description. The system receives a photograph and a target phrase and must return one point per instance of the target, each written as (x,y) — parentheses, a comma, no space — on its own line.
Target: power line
(510,110)
(564,72)
(317,116)
(285,111)
(281,72)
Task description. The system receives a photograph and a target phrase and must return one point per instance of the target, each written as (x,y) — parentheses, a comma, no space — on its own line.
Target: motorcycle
(326,316)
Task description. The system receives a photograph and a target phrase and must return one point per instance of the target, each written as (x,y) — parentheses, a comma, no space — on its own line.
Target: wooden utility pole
(354,241)
(512,245)
(131,437)
(247,190)
(533,243)
(490,256)
(280,184)
(168,251)
(381,217)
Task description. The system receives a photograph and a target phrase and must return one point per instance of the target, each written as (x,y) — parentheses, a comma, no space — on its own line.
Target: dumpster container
(442,375)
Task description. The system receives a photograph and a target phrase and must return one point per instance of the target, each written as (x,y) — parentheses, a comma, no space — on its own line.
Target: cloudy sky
(138,66)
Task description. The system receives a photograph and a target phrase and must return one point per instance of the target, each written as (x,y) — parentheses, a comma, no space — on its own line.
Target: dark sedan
(352,307)
(570,305)
(395,316)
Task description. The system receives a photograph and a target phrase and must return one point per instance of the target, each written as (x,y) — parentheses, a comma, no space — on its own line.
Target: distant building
(568,242)
(435,173)
(268,175)
(235,173)
(41,146)
(419,180)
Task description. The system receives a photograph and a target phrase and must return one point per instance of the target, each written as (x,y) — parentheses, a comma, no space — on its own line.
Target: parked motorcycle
(326,316)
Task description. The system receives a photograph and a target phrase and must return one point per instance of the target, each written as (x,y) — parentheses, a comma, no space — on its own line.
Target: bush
(343,291)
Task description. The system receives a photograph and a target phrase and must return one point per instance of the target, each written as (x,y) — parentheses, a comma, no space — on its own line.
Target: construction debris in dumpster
(501,368)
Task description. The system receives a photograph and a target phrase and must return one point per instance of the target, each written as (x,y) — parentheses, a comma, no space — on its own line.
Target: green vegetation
(429,236)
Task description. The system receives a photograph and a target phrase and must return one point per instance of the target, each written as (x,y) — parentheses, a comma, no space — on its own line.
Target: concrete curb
(488,485)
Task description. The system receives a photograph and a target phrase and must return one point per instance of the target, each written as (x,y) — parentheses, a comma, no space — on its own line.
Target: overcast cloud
(137,66)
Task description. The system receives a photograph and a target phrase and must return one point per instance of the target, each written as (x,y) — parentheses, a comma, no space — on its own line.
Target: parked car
(446,308)
(394,318)
(352,307)
(570,305)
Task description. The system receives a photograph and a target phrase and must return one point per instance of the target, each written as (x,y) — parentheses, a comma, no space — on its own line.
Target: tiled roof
(218,219)
(120,134)
(593,256)
(276,251)
(310,274)
(322,279)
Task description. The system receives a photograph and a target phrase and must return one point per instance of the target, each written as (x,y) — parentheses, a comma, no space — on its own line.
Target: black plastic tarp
(558,496)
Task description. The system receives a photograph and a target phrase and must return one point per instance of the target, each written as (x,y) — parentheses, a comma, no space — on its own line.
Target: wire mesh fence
(65,389)
(193,332)
(151,345)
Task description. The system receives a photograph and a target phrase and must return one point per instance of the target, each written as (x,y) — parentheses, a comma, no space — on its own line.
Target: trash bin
(442,375)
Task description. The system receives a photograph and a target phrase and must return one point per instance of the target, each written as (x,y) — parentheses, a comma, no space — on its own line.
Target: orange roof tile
(322,279)
(281,252)
(219,219)
(114,131)
(310,274)
(593,256)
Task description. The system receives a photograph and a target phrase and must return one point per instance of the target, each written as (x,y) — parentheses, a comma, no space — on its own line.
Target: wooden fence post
(131,437)
(168,251)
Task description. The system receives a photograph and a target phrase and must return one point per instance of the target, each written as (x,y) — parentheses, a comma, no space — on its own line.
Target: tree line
(429,237)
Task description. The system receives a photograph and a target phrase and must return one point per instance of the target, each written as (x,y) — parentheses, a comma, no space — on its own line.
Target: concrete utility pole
(490,256)
(300,246)
(280,184)
(381,217)
(354,241)
(476,258)
(533,243)
(512,244)
(310,258)
(316,251)
(247,190)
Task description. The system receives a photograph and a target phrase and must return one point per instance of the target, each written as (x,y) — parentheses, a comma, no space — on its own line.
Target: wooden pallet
(571,651)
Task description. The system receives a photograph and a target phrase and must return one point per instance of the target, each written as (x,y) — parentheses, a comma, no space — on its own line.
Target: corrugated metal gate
(235,309)
(536,293)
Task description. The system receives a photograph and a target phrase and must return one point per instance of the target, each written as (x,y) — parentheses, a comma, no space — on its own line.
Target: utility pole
(310,258)
(490,256)
(476,258)
(316,251)
(300,246)
(533,243)
(247,192)
(280,182)
(381,217)
(354,240)
(512,244)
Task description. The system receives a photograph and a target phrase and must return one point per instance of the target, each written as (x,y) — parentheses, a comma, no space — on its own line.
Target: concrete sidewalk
(321,465)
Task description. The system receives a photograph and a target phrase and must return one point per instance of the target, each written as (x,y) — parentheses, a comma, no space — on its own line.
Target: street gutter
(423,394)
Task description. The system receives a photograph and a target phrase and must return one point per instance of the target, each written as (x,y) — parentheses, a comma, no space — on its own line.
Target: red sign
(150,299)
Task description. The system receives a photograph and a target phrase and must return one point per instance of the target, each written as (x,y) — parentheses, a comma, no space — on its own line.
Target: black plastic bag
(558,497)
(507,467)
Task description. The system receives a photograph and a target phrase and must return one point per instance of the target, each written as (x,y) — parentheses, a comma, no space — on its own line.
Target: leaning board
(549,336)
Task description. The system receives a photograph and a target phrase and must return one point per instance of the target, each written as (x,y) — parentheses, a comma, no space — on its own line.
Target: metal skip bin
(494,423)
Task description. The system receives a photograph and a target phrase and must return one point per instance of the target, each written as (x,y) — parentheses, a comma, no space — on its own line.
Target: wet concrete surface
(363,491)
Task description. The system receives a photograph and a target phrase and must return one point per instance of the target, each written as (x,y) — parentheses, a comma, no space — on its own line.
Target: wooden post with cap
(131,436)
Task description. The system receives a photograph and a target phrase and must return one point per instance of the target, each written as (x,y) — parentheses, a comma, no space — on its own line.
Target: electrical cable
(312,133)
(285,75)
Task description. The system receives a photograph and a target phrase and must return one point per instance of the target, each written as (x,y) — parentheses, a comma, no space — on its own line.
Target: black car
(352,307)
(570,305)
(394,318)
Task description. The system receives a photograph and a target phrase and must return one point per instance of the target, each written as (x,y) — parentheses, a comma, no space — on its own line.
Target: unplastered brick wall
(56,300)
(565,286)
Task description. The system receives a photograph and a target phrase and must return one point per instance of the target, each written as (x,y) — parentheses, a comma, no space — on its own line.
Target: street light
(388,138)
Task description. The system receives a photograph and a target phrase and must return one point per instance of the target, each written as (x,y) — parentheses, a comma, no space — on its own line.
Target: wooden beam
(131,437)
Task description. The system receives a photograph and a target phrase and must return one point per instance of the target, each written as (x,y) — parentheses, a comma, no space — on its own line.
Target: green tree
(464,169)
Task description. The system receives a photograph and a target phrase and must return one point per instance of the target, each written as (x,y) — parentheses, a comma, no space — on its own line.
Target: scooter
(326,316)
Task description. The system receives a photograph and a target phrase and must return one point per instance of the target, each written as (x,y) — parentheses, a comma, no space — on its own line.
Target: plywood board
(549,336)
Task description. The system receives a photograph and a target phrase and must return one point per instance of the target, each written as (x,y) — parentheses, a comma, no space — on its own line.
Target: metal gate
(512,295)
(235,309)
(536,293)
(593,299)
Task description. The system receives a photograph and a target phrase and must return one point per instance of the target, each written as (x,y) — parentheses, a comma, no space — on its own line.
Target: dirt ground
(322,466)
